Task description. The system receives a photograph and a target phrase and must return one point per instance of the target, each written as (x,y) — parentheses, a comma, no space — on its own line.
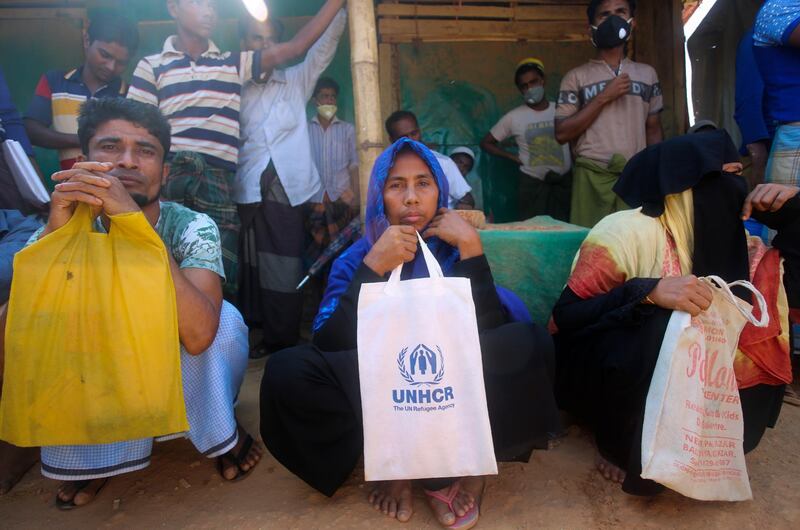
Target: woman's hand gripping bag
(421,376)
(92,353)
(693,432)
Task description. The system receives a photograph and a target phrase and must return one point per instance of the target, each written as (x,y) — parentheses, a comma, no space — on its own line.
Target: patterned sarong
(272,245)
(324,222)
(207,189)
(783,166)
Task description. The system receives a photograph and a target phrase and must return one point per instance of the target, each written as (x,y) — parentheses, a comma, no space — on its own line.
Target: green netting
(460,113)
(533,259)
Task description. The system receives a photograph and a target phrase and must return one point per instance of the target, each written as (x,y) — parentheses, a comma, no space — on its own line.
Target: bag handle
(434,269)
(81,221)
(725,287)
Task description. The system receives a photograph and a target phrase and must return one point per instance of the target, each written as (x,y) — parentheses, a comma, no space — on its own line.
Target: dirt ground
(557,489)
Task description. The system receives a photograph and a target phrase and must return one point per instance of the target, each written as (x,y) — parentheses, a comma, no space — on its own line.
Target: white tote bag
(692,438)
(422,390)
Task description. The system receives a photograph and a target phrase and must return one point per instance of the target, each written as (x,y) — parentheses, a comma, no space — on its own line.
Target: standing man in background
(776,47)
(543,164)
(608,110)
(197,87)
(333,146)
(52,117)
(277,177)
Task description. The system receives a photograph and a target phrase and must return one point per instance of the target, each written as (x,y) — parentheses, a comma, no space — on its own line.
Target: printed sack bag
(419,363)
(92,347)
(692,439)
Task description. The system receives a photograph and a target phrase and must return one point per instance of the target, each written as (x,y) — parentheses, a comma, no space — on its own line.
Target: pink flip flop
(466,521)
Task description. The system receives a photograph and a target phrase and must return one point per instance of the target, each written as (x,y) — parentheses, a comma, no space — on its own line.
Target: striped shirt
(334,151)
(58,99)
(199,98)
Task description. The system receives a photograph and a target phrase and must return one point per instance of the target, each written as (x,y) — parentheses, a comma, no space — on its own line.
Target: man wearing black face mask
(608,110)
(544,165)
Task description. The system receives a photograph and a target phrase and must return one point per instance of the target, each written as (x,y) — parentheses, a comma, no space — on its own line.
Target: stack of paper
(25,176)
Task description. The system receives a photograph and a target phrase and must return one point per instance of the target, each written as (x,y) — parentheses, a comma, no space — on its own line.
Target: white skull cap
(463,150)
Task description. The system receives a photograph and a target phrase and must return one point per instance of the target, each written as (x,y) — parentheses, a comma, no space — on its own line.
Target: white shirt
(275,127)
(534,132)
(335,155)
(458,185)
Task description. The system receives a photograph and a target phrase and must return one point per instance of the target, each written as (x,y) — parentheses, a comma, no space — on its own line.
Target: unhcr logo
(422,368)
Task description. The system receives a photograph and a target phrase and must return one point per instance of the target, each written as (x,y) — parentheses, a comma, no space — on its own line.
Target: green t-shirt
(191,237)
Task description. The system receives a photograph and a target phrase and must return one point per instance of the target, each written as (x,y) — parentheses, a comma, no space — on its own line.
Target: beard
(143,200)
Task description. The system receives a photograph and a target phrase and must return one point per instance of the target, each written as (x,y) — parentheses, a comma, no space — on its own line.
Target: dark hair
(591,11)
(326,82)
(397,116)
(524,69)
(278,28)
(96,112)
(110,27)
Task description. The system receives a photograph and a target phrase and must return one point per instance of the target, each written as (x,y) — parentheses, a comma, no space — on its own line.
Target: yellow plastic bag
(92,353)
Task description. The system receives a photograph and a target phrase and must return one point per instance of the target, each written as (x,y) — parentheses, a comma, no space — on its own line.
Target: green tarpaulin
(533,259)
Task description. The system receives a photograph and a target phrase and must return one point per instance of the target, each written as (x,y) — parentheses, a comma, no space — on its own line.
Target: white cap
(463,151)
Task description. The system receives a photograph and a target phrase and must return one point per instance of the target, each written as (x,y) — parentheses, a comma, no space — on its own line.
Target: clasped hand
(398,244)
(89,183)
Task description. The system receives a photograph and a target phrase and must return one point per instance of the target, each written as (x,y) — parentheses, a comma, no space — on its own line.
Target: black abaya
(310,395)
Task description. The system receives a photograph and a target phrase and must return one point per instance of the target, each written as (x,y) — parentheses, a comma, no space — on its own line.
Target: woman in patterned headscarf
(310,396)
(637,266)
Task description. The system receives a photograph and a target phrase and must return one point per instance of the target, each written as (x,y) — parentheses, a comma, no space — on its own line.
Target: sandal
(466,521)
(790,396)
(237,461)
(79,485)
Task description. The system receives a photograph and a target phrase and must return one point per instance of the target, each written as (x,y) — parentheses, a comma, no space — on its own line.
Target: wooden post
(366,89)
(660,44)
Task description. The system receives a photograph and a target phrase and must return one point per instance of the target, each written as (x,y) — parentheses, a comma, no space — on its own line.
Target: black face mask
(614,31)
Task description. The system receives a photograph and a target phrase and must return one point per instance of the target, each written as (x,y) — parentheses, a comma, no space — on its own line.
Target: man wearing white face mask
(544,165)
(333,147)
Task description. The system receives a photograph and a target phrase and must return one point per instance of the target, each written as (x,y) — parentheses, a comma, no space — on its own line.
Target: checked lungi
(324,221)
(195,184)
(783,165)
(272,244)
(211,384)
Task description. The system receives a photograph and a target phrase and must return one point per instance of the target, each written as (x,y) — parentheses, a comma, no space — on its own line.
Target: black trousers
(311,404)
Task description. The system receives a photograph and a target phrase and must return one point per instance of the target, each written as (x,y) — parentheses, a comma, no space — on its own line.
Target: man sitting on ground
(124,144)
(403,123)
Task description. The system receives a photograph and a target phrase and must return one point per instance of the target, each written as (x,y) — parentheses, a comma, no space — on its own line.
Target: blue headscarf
(376,223)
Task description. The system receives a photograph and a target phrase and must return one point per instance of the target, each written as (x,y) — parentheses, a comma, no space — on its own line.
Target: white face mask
(327,111)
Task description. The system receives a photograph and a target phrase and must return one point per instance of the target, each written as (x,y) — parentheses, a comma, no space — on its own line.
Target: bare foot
(393,498)
(610,471)
(79,492)
(234,465)
(464,494)
(14,463)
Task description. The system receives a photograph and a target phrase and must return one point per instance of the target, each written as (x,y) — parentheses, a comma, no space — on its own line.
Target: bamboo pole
(366,89)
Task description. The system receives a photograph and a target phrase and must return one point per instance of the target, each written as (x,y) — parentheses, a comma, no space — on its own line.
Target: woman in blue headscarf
(310,396)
